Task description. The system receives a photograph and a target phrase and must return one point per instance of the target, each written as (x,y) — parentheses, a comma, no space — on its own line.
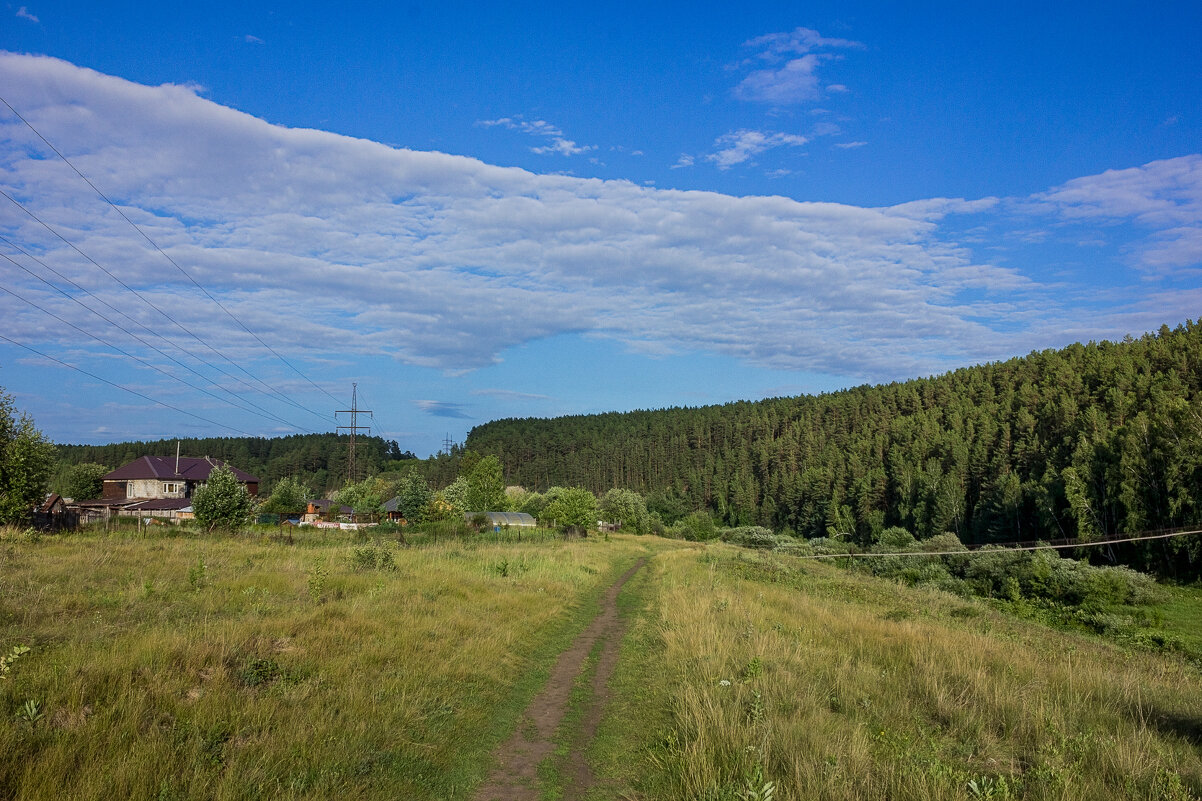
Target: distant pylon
(448,443)
(354,427)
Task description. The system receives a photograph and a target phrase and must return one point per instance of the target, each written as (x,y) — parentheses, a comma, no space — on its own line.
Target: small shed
(392,511)
(53,514)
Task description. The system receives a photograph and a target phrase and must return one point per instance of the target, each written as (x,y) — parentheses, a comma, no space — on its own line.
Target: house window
(169,487)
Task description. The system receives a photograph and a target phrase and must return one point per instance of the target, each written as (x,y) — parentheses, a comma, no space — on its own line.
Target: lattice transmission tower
(351,471)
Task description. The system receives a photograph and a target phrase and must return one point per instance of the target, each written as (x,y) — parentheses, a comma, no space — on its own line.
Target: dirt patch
(515,776)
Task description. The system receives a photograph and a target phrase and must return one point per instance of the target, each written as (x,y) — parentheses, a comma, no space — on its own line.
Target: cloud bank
(331,246)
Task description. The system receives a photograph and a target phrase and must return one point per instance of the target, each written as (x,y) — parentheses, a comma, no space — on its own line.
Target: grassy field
(219,667)
(752,675)
(177,666)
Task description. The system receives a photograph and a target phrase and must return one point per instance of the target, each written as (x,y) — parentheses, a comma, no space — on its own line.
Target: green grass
(277,670)
(753,669)
(176,665)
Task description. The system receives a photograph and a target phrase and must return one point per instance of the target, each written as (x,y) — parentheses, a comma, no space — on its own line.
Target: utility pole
(447,444)
(354,428)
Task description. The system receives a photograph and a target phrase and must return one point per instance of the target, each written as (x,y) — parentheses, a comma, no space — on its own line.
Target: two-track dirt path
(515,777)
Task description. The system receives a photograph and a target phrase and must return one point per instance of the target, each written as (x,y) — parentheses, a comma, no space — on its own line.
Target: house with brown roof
(167,477)
(162,486)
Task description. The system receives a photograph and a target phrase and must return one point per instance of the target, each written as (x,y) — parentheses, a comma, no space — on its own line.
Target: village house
(159,487)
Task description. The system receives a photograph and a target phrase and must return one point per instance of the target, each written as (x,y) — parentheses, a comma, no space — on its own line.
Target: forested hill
(1089,440)
(318,459)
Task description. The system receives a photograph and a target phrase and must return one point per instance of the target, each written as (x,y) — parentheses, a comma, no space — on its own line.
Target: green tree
(81,482)
(485,486)
(573,509)
(288,497)
(26,463)
(454,497)
(627,508)
(222,501)
(364,497)
(414,496)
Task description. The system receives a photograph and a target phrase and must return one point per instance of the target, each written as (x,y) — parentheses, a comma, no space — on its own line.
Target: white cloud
(740,146)
(849,145)
(23,13)
(799,40)
(685,160)
(559,143)
(250,39)
(334,247)
(1164,196)
(794,82)
(442,409)
(837,88)
(565,147)
(791,72)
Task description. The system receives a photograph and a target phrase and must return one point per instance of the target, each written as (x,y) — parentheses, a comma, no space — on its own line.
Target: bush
(574,510)
(795,549)
(823,546)
(697,527)
(756,537)
(627,508)
(894,538)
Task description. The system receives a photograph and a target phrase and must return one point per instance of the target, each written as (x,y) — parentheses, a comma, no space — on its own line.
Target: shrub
(823,546)
(795,549)
(573,510)
(894,538)
(697,526)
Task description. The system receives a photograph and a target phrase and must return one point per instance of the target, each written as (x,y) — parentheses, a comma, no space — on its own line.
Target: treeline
(1089,441)
(318,460)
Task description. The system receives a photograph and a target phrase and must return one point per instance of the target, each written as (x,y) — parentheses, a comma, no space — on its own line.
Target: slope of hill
(1087,441)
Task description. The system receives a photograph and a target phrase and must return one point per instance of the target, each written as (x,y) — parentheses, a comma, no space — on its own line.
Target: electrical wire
(176,323)
(260,410)
(263,413)
(1043,547)
(163,253)
(126,389)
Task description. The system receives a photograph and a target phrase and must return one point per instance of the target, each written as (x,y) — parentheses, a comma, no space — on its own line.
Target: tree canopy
(573,509)
(222,501)
(26,463)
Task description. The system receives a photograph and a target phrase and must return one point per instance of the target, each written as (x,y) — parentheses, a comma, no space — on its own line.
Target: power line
(126,389)
(262,412)
(166,316)
(163,253)
(1042,547)
(273,395)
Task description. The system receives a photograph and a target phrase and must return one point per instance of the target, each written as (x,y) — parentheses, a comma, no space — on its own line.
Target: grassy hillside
(181,666)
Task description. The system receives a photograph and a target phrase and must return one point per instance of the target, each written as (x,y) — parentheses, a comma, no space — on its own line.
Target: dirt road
(515,776)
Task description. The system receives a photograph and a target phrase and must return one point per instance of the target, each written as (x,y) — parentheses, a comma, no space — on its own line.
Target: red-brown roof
(163,467)
(48,506)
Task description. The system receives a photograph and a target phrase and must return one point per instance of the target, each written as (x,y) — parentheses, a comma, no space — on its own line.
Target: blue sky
(479,212)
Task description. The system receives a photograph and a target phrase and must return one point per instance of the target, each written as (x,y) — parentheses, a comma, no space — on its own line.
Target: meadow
(177,665)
